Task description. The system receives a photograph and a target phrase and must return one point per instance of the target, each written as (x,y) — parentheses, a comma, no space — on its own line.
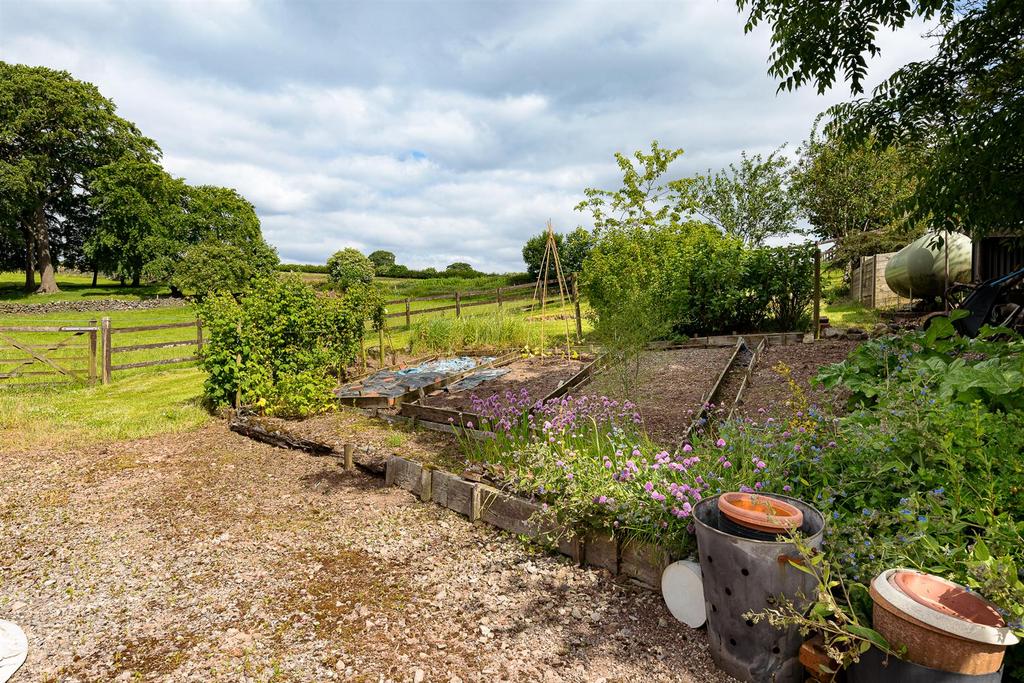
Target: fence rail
(499,296)
(24,354)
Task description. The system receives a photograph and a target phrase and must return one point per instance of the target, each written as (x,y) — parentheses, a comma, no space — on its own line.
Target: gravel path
(208,557)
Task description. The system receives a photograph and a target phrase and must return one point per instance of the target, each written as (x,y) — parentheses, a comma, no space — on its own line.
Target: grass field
(76,288)
(144,401)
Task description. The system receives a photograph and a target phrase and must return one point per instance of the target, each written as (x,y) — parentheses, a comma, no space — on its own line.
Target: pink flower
(720,443)
(687,448)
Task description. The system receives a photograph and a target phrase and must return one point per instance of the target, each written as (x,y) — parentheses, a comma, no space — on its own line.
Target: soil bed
(538,376)
(671,388)
(770,390)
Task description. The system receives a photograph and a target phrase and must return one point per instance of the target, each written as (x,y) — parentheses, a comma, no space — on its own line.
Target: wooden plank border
(641,562)
(746,377)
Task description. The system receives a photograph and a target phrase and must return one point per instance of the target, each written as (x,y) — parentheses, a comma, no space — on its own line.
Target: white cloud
(441,131)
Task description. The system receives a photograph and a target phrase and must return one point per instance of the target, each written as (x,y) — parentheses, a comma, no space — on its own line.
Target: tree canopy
(856,194)
(963,107)
(751,201)
(82,187)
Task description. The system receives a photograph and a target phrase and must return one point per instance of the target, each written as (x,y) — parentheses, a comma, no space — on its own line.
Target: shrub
(213,266)
(780,286)
(280,346)
(699,280)
(349,267)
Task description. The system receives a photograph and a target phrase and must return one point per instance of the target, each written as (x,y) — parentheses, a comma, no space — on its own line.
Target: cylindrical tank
(745,575)
(918,270)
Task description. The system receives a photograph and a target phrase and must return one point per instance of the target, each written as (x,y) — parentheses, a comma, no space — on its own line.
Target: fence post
(105,329)
(499,298)
(199,336)
(92,354)
(576,303)
(458,304)
(860,292)
(817,293)
(874,281)
(408,313)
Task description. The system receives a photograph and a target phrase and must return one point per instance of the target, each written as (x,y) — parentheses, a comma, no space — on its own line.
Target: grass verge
(136,406)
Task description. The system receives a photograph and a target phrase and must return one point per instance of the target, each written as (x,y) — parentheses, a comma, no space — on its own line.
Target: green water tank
(918,270)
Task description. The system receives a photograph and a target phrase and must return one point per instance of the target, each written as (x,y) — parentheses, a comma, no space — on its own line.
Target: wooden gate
(38,354)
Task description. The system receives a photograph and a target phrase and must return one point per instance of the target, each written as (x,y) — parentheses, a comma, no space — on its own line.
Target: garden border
(642,563)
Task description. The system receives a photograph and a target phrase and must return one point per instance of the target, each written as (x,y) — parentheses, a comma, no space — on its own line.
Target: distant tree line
(383,263)
(83,188)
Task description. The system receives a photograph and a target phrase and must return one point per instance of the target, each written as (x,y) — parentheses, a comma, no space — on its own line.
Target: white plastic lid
(683,590)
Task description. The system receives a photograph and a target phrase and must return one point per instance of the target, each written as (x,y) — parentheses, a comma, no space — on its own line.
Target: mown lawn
(134,406)
(76,288)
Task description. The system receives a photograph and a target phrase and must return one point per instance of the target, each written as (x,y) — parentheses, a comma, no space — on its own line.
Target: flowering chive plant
(589,460)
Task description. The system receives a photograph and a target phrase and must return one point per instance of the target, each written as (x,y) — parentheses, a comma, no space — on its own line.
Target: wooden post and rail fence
(500,296)
(89,353)
(44,353)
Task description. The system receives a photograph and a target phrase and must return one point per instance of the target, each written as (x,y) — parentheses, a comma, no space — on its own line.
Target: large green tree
(54,130)
(751,201)
(964,105)
(137,205)
(857,194)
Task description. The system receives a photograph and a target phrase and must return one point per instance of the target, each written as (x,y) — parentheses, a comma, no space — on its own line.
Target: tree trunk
(95,274)
(44,261)
(30,261)
(136,279)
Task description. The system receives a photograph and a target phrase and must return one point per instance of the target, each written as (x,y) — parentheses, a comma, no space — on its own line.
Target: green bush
(280,346)
(348,267)
(213,266)
(691,279)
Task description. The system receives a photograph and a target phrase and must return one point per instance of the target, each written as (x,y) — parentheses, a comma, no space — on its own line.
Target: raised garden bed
(640,562)
(673,385)
(543,378)
(395,385)
(768,389)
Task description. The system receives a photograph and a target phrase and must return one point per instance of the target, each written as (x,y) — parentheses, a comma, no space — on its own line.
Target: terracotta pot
(962,637)
(947,597)
(760,513)
(814,657)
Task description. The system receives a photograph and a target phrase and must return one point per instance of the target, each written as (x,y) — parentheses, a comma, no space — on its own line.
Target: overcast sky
(439,131)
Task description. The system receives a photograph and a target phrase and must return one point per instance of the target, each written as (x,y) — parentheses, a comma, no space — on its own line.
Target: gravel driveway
(208,557)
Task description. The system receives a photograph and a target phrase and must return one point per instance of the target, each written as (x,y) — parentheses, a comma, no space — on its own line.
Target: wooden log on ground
(279,439)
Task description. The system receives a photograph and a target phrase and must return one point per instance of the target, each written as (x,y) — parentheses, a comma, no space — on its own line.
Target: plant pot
(742,575)
(875,667)
(965,636)
(817,663)
(762,517)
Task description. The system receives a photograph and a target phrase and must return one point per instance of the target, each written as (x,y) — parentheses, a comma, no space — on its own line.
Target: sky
(440,131)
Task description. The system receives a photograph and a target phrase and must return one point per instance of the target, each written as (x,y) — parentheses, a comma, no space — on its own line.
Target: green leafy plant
(280,348)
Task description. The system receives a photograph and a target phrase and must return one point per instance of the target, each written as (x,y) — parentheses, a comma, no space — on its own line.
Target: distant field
(76,288)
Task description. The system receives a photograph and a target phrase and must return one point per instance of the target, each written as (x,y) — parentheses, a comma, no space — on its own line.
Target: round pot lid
(953,618)
(683,590)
